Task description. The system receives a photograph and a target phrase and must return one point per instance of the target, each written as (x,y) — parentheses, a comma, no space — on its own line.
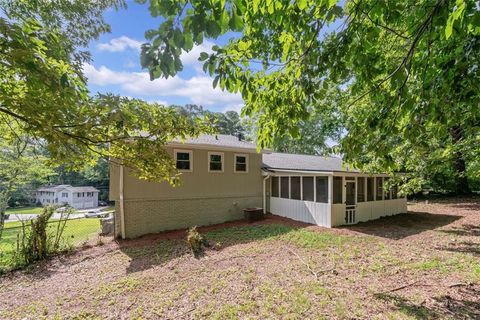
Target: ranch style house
(222,175)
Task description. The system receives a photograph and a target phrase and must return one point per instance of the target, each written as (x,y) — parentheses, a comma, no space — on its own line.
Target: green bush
(196,241)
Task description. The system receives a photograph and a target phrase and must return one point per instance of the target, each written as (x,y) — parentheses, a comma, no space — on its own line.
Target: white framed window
(64,195)
(240,163)
(183,160)
(215,161)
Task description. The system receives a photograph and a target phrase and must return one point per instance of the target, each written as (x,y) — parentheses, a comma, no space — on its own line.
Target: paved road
(25,217)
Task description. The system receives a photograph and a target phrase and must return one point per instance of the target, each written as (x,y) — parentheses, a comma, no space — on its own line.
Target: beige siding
(200,183)
(113,194)
(202,198)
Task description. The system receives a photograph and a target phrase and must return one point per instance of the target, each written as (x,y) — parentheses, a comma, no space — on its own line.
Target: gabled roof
(68,188)
(219,140)
(300,162)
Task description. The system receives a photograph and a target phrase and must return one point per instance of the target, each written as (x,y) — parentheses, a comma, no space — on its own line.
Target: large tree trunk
(459,164)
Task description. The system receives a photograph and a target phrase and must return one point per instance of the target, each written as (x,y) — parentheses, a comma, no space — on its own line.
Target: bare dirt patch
(420,265)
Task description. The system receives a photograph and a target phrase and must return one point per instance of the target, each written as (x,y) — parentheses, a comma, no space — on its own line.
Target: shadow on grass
(409,308)
(465,230)
(403,225)
(466,307)
(167,246)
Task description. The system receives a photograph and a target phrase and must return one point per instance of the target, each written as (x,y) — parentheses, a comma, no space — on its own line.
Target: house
(222,175)
(77,197)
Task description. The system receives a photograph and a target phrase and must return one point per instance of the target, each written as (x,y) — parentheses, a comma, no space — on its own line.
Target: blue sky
(115,66)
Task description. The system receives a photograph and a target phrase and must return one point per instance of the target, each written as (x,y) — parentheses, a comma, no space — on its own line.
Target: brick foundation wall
(152,216)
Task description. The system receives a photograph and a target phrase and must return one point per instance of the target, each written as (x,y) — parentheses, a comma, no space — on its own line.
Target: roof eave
(204,146)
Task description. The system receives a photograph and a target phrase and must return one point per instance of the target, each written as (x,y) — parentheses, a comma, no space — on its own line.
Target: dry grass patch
(415,266)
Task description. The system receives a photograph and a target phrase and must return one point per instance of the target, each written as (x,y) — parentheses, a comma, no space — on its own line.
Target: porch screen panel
(284,193)
(295,188)
(360,189)
(337,190)
(370,188)
(307,185)
(386,190)
(275,187)
(394,192)
(379,188)
(322,189)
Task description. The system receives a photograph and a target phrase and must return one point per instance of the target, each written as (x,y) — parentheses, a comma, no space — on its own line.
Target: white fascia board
(287,172)
(213,147)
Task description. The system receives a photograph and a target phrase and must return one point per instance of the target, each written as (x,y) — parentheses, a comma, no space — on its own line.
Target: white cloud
(197,89)
(191,58)
(120,44)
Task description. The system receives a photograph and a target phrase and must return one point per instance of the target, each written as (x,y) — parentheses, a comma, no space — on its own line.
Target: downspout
(122,207)
(265,194)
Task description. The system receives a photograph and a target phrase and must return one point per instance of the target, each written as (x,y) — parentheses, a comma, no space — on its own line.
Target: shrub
(196,241)
(35,242)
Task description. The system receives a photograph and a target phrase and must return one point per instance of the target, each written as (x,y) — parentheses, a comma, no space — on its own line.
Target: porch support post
(265,194)
(356,190)
(330,190)
(344,190)
(122,204)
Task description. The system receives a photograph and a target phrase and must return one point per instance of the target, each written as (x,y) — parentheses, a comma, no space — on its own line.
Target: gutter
(122,204)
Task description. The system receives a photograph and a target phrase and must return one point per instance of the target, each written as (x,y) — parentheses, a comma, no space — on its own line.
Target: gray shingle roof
(219,140)
(69,188)
(300,162)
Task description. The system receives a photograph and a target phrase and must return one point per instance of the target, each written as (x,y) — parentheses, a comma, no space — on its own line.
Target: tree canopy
(407,71)
(43,92)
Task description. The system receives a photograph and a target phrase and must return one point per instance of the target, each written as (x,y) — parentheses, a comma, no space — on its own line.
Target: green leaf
(203,56)
(213,29)
(302,4)
(178,38)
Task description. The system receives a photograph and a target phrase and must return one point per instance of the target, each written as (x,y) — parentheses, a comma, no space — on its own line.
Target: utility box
(253,214)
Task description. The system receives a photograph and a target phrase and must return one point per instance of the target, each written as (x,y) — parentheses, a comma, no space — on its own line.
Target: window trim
(235,162)
(190,152)
(222,162)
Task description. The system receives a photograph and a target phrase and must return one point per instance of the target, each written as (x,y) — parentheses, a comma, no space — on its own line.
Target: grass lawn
(421,265)
(76,232)
(24,210)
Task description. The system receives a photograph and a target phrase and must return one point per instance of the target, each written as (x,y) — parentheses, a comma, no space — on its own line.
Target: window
(370,188)
(337,190)
(295,188)
(322,189)
(64,194)
(386,190)
(307,185)
(241,163)
(275,187)
(215,162)
(184,160)
(379,188)
(361,189)
(284,191)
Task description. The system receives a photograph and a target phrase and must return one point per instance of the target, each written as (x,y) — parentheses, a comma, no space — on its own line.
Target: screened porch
(332,199)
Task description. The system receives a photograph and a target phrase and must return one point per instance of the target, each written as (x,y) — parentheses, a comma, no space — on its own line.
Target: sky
(115,66)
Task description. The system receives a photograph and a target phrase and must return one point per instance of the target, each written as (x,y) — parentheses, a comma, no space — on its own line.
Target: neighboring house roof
(219,140)
(68,188)
(299,162)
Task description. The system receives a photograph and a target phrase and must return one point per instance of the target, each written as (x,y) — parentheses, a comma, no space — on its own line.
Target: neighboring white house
(77,197)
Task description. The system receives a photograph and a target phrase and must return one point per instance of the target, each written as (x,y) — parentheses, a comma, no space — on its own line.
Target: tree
(43,90)
(224,123)
(405,69)
(20,168)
